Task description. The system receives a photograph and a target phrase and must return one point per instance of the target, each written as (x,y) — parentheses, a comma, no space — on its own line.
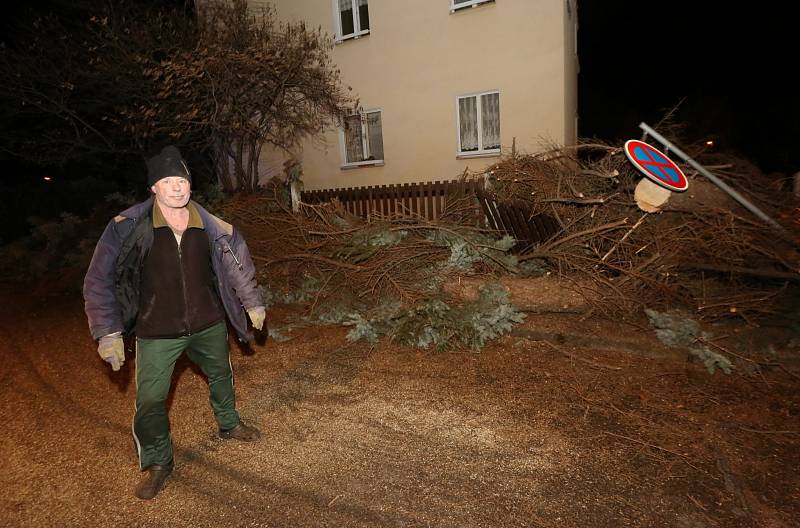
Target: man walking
(171,272)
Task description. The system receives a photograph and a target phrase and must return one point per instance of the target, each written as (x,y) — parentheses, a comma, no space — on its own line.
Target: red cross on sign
(656,166)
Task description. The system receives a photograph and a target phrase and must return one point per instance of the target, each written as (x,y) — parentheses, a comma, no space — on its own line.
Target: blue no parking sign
(656,166)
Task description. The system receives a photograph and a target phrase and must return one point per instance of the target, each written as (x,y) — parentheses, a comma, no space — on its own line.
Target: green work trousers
(155,361)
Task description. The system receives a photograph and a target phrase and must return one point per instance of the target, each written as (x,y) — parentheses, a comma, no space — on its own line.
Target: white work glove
(257,315)
(112,349)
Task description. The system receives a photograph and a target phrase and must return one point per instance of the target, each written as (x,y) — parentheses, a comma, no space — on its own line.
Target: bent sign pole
(716,181)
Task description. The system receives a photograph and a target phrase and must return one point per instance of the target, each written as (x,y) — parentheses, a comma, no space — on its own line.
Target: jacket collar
(214,226)
(194,216)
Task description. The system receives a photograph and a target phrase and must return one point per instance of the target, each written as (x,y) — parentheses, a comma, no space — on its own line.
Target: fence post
(294,191)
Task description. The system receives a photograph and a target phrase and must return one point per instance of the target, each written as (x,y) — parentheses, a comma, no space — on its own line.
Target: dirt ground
(524,433)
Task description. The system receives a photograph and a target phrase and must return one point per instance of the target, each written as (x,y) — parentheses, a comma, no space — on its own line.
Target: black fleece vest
(177,295)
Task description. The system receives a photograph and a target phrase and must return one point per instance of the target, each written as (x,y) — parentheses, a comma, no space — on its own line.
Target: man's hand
(257,315)
(112,349)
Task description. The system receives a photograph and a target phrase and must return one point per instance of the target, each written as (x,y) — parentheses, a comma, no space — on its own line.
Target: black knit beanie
(168,163)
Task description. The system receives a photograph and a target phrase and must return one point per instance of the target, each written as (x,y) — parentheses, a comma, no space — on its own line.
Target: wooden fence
(515,219)
(426,200)
(429,201)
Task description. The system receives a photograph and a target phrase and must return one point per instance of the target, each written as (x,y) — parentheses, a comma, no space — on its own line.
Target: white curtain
(468,123)
(375,135)
(346,16)
(363,15)
(354,150)
(490,120)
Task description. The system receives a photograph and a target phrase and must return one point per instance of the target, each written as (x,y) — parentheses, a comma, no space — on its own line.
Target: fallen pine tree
(384,275)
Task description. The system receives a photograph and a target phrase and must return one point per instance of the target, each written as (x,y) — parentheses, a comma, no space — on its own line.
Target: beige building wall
(418,58)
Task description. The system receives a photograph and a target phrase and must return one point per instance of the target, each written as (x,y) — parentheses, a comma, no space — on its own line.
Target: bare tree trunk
(241,183)
(244,153)
(222,164)
(249,166)
(255,157)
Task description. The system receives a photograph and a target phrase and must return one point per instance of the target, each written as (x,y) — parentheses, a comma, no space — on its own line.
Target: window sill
(355,36)
(362,164)
(453,9)
(488,154)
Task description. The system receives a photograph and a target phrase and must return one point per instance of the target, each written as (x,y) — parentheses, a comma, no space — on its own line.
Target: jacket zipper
(227,249)
(183,290)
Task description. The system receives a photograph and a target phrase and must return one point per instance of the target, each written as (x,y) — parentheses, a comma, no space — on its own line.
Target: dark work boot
(153,481)
(242,431)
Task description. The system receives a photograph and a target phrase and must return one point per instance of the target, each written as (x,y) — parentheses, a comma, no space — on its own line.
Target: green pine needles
(434,323)
(402,263)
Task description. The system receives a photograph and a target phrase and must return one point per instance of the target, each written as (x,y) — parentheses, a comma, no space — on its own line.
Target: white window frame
(463,5)
(358,32)
(481,151)
(364,142)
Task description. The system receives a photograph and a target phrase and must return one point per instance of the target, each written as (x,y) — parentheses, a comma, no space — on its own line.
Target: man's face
(172,191)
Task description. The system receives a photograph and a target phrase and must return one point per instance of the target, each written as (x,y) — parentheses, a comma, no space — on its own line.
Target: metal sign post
(716,181)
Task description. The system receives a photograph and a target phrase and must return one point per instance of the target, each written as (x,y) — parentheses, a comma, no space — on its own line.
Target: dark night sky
(732,64)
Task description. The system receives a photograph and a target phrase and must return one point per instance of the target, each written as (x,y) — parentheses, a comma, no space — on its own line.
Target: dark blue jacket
(111,286)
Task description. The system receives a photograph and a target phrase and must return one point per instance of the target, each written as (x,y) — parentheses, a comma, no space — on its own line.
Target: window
(455,5)
(352,18)
(479,123)
(363,139)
